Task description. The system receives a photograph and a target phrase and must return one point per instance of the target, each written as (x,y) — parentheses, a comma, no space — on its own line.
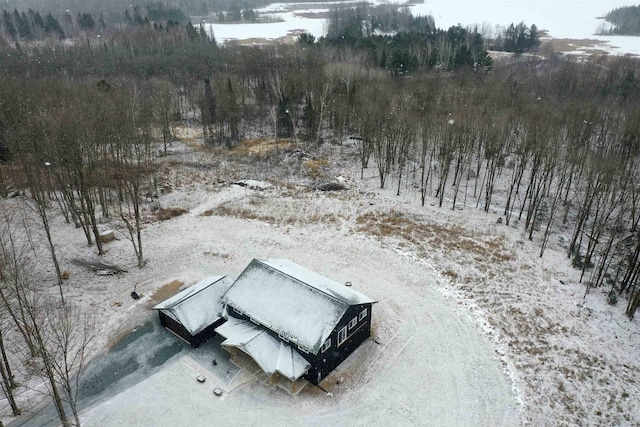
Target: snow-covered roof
(299,305)
(197,306)
(271,354)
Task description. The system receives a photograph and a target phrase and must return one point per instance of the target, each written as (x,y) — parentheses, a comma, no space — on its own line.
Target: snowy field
(471,328)
(563,19)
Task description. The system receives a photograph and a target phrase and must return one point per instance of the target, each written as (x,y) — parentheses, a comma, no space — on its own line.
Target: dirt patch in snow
(165,292)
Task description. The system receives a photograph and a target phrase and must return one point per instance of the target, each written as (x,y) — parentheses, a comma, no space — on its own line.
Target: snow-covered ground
(432,365)
(563,19)
(471,328)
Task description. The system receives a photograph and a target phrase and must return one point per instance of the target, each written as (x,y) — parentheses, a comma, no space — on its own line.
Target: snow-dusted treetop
(299,305)
(197,306)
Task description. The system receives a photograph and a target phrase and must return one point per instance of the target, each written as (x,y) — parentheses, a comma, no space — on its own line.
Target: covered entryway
(267,358)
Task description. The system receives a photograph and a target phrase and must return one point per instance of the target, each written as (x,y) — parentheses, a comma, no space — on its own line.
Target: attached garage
(194,313)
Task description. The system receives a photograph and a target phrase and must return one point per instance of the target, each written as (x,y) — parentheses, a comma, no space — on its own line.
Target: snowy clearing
(471,328)
(432,365)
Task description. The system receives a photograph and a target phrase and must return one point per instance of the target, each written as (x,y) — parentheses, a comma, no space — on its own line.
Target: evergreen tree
(85,21)
(38,21)
(172,24)
(51,25)
(520,38)
(285,127)
(234,12)
(192,33)
(306,39)
(8,25)
(22,25)
(534,37)
(203,34)
(249,15)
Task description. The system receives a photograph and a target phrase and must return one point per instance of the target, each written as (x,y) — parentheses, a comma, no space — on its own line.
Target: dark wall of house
(207,333)
(325,362)
(178,329)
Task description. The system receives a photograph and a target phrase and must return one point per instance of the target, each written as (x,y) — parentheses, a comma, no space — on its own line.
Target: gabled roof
(299,305)
(197,306)
(271,354)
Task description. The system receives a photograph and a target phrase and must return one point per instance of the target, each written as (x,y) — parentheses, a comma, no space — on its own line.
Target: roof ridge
(308,285)
(203,288)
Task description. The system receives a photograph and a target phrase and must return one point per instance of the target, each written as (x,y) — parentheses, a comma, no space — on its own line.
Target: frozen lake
(571,19)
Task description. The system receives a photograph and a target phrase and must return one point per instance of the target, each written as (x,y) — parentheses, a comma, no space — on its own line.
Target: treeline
(236,14)
(518,39)
(415,42)
(37,21)
(389,36)
(177,52)
(625,20)
(30,26)
(113,10)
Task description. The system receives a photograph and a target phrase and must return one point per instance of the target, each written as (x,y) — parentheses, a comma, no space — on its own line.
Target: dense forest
(113,11)
(550,143)
(625,20)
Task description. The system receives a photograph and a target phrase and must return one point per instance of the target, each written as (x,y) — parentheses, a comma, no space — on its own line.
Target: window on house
(326,345)
(342,335)
(353,322)
(363,314)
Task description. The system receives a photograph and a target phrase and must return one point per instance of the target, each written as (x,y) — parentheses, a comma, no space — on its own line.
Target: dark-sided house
(194,313)
(294,324)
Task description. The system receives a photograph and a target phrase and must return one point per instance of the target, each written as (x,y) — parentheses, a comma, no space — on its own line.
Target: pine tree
(249,15)
(234,12)
(534,36)
(22,25)
(85,21)
(192,33)
(8,26)
(203,34)
(38,21)
(51,25)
